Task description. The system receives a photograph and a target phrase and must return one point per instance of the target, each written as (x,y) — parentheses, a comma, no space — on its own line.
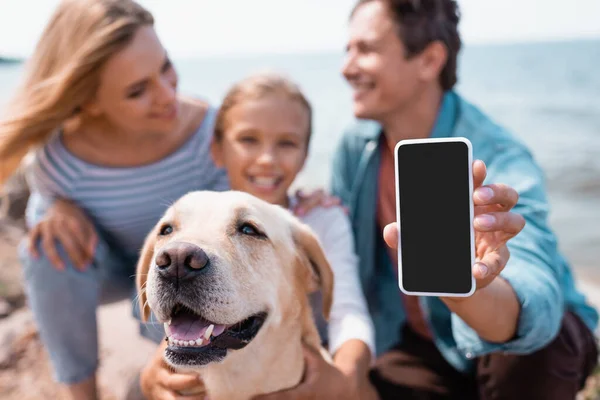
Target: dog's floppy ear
(312,256)
(143,266)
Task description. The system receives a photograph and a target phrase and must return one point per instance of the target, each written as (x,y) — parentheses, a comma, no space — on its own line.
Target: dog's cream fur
(252,275)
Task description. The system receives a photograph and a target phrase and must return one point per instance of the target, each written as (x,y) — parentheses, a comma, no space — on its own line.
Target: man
(526,333)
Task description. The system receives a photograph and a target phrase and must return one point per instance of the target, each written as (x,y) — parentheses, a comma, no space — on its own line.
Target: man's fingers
(507,222)
(487,209)
(498,194)
(390,235)
(491,264)
(49,248)
(479,173)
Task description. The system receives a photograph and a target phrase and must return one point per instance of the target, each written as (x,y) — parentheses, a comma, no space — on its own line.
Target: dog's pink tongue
(187,326)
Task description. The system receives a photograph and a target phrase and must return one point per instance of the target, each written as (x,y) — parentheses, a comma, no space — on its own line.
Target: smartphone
(434,211)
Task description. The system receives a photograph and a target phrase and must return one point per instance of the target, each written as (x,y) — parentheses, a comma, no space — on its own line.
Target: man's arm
(492,312)
(531,275)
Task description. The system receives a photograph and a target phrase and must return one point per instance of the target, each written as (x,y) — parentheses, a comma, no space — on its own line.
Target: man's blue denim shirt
(539,274)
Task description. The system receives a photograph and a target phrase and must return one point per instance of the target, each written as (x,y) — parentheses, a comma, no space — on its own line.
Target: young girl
(262,135)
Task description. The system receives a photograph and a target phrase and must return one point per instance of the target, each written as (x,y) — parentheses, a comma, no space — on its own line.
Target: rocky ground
(24,368)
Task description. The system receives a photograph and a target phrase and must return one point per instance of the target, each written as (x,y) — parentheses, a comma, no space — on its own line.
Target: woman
(115,144)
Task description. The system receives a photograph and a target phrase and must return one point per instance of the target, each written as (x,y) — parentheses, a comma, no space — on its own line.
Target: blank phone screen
(435,219)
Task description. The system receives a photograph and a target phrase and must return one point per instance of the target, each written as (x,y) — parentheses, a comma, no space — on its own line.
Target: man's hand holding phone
(494,226)
(493,309)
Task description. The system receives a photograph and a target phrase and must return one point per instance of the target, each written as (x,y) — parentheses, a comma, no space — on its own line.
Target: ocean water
(548,94)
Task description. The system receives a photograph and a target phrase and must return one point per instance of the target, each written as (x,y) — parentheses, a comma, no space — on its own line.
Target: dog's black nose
(180,260)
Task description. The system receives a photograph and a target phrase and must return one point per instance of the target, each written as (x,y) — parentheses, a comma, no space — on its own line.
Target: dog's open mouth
(194,340)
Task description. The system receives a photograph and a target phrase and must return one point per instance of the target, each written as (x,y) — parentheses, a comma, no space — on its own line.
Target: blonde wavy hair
(63,72)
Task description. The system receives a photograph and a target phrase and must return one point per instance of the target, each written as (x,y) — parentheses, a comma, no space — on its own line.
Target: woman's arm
(493,311)
(56,217)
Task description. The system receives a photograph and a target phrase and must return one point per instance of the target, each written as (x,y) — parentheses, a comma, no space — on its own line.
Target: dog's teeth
(167,330)
(198,342)
(209,331)
(169,322)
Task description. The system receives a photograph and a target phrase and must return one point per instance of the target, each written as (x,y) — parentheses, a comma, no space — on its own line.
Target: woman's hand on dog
(68,225)
(159,382)
(323,380)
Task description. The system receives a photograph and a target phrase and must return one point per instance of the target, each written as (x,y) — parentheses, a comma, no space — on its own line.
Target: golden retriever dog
(229,274)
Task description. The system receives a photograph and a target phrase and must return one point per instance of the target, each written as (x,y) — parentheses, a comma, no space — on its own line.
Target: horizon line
(16,58)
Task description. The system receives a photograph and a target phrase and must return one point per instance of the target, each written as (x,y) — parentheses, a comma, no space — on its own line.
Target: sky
(196,28)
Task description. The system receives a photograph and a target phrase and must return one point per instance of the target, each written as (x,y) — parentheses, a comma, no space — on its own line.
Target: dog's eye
(250,230)
(166,230)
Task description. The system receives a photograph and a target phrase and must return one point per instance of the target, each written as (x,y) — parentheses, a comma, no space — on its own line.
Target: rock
(19,325)
(24,369)
(11,282)
(25,372)
(15,193)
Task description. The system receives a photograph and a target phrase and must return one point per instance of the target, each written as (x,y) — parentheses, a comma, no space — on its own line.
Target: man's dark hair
(421,22)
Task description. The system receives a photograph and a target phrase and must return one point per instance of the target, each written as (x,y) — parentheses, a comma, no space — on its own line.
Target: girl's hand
(69,225)
(159,382)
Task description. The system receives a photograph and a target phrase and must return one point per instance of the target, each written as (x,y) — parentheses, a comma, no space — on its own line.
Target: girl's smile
(264,145)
